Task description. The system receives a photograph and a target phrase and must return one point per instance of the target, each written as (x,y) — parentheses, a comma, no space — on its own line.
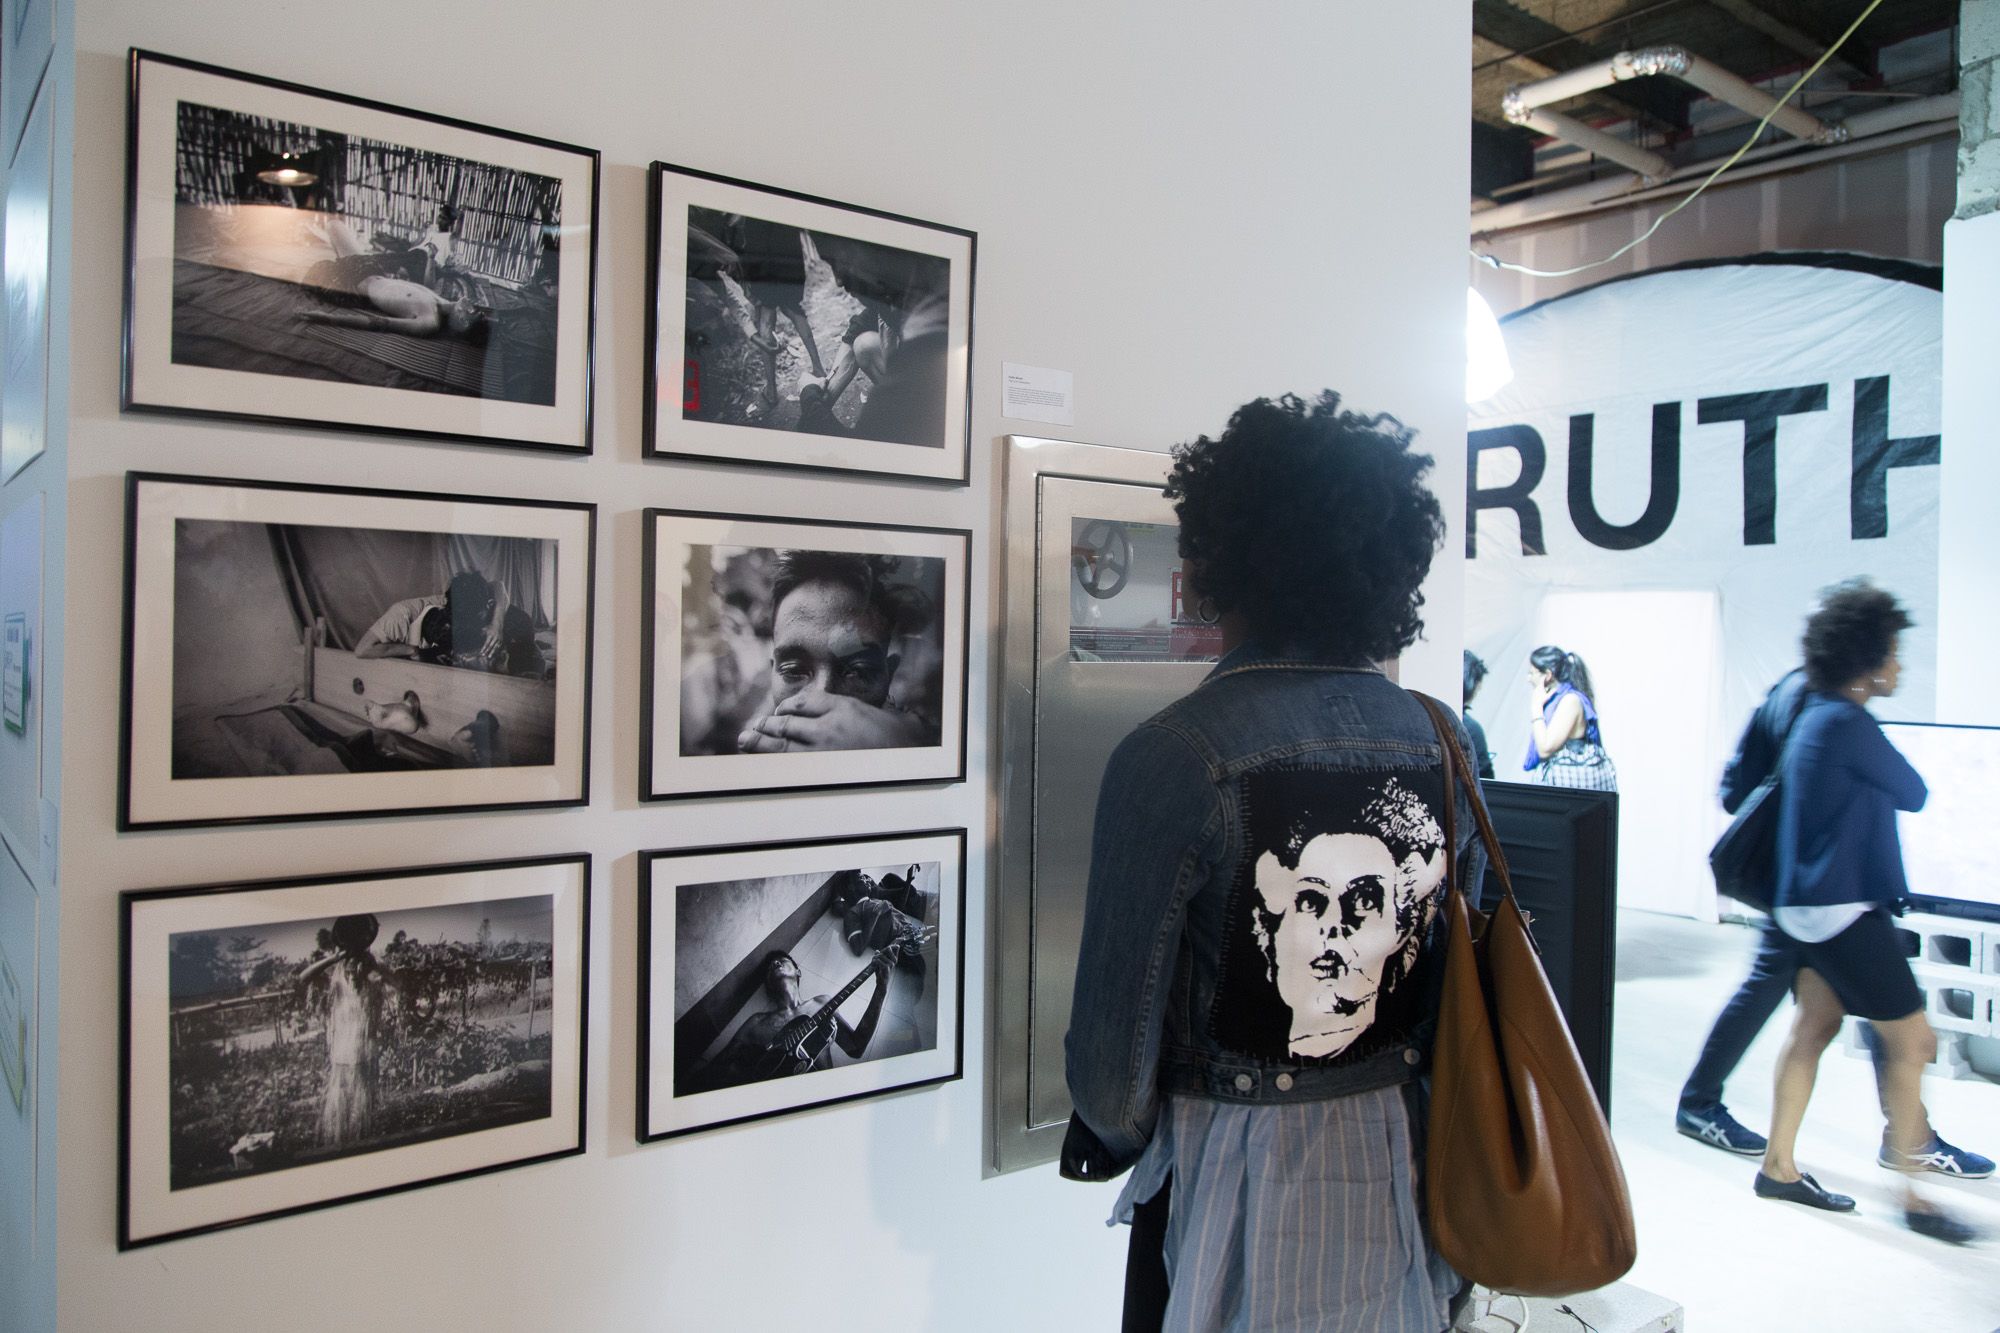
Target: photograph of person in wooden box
(303,652)
(330,690)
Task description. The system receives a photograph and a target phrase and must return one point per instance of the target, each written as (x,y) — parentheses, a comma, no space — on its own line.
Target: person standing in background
(1565,745)
(1475,672)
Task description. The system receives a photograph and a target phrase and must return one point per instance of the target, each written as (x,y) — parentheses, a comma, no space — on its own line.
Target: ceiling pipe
(1746,97)
(1917,115)
(1527,103)
(1641,161)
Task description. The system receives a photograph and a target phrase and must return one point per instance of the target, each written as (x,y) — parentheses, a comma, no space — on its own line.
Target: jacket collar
(1254,656)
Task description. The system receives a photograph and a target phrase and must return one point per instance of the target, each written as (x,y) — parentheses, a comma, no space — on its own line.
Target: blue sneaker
(1719,1129)
(1941,1157)
(1942,1226)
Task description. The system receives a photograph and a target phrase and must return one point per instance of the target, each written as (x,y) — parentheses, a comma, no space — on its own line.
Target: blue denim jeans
(1770,979)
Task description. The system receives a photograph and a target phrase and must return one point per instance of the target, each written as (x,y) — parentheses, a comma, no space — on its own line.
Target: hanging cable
(1494,261)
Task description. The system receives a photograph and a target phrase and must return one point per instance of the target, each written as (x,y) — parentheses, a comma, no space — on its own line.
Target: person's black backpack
(1744,859)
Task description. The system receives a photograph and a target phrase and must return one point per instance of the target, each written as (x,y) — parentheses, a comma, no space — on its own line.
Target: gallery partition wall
(456,788)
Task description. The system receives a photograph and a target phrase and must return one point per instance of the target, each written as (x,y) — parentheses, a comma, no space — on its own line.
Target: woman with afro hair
(1840,871)
(1258,980)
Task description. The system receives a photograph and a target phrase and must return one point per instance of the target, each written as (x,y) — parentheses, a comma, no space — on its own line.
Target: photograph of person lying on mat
(307,649)
(329,256)
(372,289)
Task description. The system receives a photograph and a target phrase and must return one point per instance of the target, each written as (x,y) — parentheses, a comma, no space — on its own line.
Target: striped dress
(1293,1217)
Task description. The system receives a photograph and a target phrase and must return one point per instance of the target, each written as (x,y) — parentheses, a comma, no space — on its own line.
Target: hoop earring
(1207,612)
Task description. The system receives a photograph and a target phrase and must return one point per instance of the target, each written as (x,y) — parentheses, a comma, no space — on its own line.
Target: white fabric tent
(1684,458)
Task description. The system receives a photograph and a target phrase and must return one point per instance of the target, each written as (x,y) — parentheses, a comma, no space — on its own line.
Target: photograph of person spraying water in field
(354,990)
(302,1041)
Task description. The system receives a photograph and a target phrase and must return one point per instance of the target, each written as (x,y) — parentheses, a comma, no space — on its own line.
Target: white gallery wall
(1968,558)
(1184,205)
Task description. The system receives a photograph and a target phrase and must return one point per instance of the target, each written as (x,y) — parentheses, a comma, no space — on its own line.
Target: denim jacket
(1209,813)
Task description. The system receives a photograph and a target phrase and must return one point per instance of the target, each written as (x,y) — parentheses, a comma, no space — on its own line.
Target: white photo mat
(156,796)
(673,434)
(662,876)
(672,774)
(156,381)
(156,1211)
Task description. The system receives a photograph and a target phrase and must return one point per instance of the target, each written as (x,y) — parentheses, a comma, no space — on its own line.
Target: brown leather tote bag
(1524,1191)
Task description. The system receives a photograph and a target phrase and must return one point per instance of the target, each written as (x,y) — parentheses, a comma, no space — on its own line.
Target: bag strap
(1791,730)
(1457,770)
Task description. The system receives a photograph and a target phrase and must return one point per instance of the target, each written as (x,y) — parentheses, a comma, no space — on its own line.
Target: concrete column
(1979,107)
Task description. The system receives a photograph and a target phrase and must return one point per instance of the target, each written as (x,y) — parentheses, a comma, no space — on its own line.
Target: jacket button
(1284,1082)
(1411,1057)
(1244,1083)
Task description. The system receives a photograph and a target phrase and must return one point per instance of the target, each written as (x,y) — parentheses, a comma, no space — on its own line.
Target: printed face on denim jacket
(1345,878)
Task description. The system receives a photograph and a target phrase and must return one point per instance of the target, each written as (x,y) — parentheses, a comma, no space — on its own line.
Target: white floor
(1737,1262)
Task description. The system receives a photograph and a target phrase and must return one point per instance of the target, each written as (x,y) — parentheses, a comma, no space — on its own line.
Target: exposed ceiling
(1906,48)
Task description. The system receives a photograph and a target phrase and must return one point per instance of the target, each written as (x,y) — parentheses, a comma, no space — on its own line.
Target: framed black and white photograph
(783,654)
(299,256)
(290,1044)
(780,976)
(299,652)
(796,331)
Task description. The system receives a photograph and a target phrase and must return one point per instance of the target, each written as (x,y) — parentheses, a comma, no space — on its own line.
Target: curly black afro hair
(1313,523)
(1851,633)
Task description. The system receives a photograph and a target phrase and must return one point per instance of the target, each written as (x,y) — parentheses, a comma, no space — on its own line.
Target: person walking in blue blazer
(1840,870)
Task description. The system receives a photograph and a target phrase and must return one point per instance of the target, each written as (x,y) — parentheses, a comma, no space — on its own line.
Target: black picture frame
(479,373)
(150,1215)
(666,1112)
(899,283)
(667,768)
(543,720)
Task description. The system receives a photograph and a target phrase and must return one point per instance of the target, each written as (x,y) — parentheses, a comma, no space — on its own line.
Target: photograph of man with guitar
(788,975)
(786,1005)
(795,1034)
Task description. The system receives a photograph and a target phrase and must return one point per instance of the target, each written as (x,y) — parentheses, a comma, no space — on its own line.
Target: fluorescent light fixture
(1487,369)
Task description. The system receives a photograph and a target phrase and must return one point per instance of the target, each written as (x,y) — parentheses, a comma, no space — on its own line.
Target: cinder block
(1946,941)
(1957,999)
(1978,31)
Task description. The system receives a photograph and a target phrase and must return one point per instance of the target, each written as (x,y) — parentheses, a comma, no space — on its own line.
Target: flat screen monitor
(1951,847)
(1562,850)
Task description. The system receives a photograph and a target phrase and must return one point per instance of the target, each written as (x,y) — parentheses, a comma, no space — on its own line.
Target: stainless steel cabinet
(1097,638)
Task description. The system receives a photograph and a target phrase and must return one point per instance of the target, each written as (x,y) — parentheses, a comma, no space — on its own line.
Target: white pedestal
(1619,1308)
